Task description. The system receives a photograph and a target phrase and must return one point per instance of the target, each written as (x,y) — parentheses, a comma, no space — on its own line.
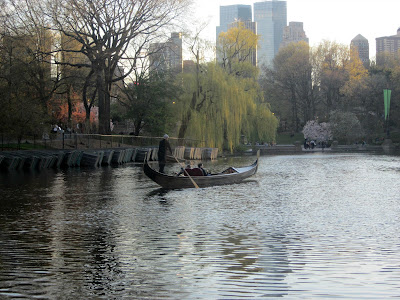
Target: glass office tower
(230,14)
(271,19)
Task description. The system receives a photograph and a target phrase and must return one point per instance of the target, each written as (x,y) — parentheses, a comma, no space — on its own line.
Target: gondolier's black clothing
(162,152)
(162,149)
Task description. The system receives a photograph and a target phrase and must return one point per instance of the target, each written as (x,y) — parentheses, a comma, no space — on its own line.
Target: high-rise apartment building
(168,55)
(293,33)
(361,45)
(388,44)
(271,19)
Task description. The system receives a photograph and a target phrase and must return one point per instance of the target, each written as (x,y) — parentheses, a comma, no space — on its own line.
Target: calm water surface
(305,227)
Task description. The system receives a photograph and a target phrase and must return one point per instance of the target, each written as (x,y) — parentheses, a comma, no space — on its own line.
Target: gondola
(229,176)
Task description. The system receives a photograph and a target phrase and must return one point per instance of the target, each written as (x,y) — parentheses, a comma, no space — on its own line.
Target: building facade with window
(361,45)
(293,33)
(388,44)
(168,55)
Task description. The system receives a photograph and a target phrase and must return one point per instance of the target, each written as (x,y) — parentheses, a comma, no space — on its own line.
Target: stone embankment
(297,148)
(45,159)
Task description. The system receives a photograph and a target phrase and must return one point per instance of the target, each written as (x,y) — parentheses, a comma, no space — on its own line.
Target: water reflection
(158,194)
(312,226)
(255,264)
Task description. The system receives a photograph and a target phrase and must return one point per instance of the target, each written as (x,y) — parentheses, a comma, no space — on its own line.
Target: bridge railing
(90,141)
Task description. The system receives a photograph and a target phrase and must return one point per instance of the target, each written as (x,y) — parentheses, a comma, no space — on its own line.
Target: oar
(184,170)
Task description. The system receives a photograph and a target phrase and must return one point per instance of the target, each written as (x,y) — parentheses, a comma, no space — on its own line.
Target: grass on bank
(287,138)
(22,146)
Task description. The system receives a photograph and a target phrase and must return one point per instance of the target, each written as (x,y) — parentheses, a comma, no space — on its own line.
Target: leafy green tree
(231,106)
(264,124)
(332,78)
(22,112)
(193,98)
(223,101)
(395,101)
(26,84)
(345,127)
(294,95)
(108,31)
(149,102)
(237,48)
(356,85)
(331,72)
(383,74)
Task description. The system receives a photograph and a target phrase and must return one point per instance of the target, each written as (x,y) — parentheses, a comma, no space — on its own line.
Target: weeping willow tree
(222,100)
(229,107)
(264,124)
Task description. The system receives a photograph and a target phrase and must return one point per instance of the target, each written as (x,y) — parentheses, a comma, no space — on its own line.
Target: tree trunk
(137,126)
(186,119)
(101,101)
(69,107)
(107,113)
(184,124)
(294,111)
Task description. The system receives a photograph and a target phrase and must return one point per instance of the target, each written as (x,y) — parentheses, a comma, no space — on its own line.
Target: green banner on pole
(386,98)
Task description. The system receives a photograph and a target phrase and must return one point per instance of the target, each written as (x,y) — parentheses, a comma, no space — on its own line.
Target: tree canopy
(105,33)
(309,83)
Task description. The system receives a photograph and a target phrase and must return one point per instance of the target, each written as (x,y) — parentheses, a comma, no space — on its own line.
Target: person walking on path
(162,152)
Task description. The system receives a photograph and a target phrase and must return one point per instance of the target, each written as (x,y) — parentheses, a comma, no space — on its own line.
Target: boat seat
(230,170)
(194,172)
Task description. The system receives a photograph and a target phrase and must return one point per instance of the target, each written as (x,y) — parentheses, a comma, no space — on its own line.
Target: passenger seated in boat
(182,171)
(200,166)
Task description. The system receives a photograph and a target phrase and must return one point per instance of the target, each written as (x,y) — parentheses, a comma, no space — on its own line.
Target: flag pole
(386,98)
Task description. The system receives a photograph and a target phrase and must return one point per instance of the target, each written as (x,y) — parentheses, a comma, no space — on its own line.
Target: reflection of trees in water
(259,259)
(103,266)
(82,242)
(104,242)
(24,234)
(244,258)
(60,234)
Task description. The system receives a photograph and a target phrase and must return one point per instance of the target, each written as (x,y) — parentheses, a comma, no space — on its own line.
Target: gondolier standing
(162,152)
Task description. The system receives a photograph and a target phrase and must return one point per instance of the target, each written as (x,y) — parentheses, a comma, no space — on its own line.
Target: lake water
(313,226)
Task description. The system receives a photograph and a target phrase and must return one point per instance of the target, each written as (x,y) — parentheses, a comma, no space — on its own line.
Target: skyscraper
(232,13)
(293,33)
(168,55)
(361,44)
(271,19)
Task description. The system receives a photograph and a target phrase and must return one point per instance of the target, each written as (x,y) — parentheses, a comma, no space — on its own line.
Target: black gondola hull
(180,182)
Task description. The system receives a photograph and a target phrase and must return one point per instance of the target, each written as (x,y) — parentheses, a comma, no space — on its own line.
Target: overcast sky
(337,20)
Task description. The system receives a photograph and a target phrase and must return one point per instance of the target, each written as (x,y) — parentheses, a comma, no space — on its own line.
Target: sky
(334,20)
